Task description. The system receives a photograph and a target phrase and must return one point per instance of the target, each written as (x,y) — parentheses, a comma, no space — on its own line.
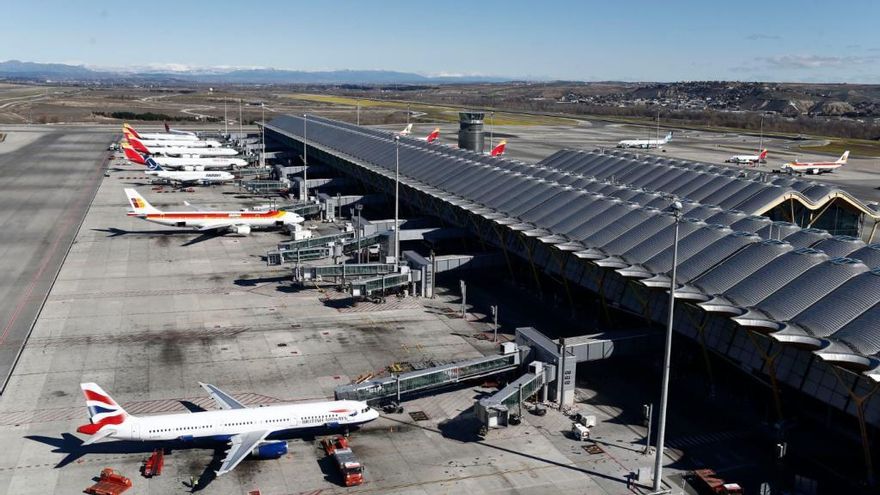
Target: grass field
(857,147)
(433,113)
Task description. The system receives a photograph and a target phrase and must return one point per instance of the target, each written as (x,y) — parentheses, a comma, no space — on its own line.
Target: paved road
(46,187)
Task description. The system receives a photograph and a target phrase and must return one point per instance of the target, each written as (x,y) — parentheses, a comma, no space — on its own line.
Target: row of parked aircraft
(257,431)
(760,157)
(430,138)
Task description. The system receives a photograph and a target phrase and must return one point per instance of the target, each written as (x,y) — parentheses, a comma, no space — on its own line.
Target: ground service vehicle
(349,467)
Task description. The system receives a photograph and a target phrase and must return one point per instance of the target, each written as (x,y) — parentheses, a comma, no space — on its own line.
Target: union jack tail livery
(499,150)
(132,155)
(104,413)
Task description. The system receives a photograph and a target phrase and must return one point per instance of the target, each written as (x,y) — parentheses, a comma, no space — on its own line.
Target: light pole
(263,135)
(225,117)
(492,132)
(667,355)
(306,156)
(359,207)
(396,199)
(240,131)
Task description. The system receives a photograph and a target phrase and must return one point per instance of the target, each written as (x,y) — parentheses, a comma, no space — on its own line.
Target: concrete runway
(48,178)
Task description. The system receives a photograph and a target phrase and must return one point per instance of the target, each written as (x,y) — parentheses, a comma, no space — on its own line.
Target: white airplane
(430,138)
(158,143)
(817,168)
(200,163)
(748,159)
(247,430)
(187,177)
(644,143)
(234,222)
(179,132)
(181,149)
(159,136)
(406,130)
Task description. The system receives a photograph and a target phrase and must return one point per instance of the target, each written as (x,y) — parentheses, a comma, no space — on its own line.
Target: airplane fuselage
(192,176)
(191,152)
(204,162)
(229,422)
(207,219)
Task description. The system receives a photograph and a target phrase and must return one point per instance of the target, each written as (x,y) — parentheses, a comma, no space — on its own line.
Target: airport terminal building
(777,275)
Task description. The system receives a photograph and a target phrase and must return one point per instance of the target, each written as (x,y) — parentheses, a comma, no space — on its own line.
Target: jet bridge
(495,411)
(392,388)
(341,273)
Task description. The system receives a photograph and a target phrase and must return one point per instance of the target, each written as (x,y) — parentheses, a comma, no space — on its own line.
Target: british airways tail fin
(103,412)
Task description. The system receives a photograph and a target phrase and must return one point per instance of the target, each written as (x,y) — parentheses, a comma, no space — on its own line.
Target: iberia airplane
(207,143)
(179,149)
(236,222)
(499,150)
(247,430)
(430,138)
(161,136)
(817,168)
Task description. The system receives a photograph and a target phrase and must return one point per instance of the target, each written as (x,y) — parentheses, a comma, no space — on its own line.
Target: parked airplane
(179,132)
(499,150)
(430,138)
(748,159)
(181,149)
(235,222)
(644,143)
(160,143)
(247,430)
(166,136)
(201,163)
(187,178)
(817,168)
(406,130)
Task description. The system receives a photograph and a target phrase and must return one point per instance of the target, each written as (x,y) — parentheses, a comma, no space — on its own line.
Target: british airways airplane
(247,430)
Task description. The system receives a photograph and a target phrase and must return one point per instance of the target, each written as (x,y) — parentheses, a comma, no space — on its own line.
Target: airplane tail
(126,127)
(132,155)
(103,411)
(152,165)
(668,137)
(433,136)
(406,130)
(763,155)
(167,128)
(499,150)
(138,145)
(140,205)
(843,158)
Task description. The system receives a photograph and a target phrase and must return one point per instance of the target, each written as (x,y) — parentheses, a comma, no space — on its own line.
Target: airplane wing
(218,226)
(197,208)
(224,400)
(241,445)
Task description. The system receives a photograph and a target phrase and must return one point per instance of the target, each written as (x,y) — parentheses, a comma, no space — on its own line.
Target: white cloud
(807,62)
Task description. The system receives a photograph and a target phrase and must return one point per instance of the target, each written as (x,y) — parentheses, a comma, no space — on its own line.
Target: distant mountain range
(32,71)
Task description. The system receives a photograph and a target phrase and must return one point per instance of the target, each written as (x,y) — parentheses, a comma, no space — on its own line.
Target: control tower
(470,131)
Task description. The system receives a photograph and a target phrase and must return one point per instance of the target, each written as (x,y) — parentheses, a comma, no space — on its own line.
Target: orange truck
(349,467)
(710,483)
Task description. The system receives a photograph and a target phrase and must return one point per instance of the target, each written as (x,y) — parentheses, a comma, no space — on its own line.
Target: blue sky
(782,40)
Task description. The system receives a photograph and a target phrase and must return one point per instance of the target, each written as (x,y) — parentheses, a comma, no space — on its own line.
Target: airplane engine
(240,229)
(270,450)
